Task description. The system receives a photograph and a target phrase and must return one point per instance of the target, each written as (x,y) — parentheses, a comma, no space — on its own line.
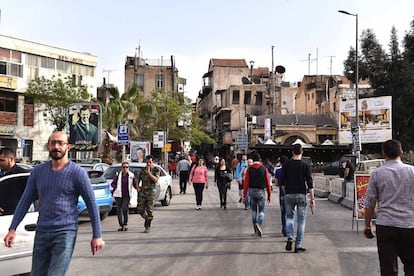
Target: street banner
(84,126)
(361,186)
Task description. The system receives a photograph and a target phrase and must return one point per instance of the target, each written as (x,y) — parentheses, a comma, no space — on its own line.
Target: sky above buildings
(195,31)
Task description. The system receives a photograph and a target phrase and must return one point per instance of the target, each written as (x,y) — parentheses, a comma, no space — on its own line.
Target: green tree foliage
(56,94)
(390,74)
(162,111)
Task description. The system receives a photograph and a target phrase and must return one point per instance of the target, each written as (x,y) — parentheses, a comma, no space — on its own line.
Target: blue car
(102,194)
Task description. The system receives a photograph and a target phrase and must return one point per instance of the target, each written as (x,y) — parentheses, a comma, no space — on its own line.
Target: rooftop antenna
(330,64)
(309,62)
(108,71)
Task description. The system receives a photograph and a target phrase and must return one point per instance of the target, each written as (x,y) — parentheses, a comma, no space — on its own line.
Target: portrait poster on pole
(139,149)
(83,124)
(361,186)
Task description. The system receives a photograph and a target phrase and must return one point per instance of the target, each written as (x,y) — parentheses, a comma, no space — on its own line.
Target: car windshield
(112,171)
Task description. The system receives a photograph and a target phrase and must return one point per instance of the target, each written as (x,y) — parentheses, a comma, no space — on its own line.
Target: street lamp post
(355,131)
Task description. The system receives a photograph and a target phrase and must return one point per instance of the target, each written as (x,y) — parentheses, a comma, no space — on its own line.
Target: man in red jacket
(256,182)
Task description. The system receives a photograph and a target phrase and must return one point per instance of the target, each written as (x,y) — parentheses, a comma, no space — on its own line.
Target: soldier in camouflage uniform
(149,177)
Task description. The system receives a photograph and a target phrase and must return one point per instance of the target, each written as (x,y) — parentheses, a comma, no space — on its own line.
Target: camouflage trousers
(146,206)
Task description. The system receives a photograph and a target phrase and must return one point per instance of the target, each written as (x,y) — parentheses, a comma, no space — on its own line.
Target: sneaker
(300,250)
(121,228)
(289,245)
(258,230)
(147,230)
(198,207)
(125,228)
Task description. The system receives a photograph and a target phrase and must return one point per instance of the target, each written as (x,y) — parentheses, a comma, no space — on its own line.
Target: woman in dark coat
(222,177)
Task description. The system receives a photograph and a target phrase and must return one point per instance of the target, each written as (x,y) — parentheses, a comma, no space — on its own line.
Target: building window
(16,70)
(11,69)
(46,62)
(3,68)
(259,98)
(8,102)
(236,97)
(159,81)
(139,81)
(32,72)
(247,97)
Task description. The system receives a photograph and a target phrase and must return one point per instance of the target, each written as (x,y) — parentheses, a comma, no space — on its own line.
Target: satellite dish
(280,69)
(256,80)
(245,80)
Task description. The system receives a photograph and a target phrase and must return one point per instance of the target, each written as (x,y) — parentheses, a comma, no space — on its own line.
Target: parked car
(18,259)
(102,192)
(163,192)
(27,167)
(94,166)
(338,167)
(368,166)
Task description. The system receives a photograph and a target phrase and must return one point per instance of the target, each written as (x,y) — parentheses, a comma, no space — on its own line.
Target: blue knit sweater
(58,193)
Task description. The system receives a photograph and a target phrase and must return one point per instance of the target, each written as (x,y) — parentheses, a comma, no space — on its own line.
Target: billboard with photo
(138,150)
(83,125)
(374,119)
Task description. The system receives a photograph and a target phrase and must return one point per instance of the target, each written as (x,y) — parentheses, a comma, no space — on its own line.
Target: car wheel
(167,199)
(104,215)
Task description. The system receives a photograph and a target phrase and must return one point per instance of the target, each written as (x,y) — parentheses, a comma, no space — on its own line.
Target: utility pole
(273,85)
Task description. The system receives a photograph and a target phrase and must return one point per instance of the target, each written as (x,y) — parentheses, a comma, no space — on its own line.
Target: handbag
(229,178)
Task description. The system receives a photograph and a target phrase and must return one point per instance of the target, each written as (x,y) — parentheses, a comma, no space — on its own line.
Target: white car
(368,166)
(163,192)
(17,259)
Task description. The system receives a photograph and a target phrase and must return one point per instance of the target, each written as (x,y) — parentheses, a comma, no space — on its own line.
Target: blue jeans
(52,252)
(344,184)
(257,203)
(247,200)
(299,201)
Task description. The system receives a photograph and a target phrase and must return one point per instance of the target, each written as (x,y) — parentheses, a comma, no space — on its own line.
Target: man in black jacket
(13,193)
(296,179)
(7,162)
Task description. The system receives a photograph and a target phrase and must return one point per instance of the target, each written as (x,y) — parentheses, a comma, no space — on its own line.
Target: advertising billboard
(374,120)
(83,124)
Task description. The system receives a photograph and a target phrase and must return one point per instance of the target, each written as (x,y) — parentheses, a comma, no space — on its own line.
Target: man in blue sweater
(296,180)
(57,184)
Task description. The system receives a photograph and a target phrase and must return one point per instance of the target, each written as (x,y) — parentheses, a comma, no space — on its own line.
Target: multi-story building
(24,124)
(153,74)
(322,94)
(232,94)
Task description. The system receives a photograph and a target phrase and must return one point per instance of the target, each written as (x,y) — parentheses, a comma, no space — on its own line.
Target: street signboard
(158,139)
(123,134)
(242,141)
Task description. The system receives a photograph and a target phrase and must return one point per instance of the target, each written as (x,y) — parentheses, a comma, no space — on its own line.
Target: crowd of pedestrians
(388,198)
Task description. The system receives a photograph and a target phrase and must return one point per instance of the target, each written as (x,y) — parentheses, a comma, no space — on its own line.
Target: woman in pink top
(199,178)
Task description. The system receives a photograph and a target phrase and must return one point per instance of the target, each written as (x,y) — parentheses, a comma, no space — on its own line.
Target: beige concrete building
(153,74)
(24,125)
